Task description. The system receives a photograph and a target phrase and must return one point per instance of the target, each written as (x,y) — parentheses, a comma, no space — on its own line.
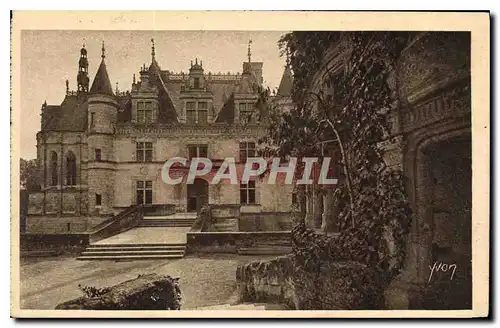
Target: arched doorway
(449,213)
(197,195)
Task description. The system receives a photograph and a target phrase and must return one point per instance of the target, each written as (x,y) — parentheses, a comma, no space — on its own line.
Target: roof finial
(196,61)
(116,89)
(249,51)
(103,51)
(83,45)
(153,48)
(67,86)
(133,79)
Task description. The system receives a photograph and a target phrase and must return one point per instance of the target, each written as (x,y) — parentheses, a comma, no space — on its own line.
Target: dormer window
(144,112)
(197,112)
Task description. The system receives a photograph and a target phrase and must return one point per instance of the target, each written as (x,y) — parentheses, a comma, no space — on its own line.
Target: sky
(48,58)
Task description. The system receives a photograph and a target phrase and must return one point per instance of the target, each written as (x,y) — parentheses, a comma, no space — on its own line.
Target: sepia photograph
(180,172)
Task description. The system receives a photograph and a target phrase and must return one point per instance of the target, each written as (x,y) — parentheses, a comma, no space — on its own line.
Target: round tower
(102,116)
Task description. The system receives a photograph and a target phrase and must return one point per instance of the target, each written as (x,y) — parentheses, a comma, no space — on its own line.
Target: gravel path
(205,280)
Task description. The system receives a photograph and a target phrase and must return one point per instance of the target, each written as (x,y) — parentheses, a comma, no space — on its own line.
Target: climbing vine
(350,103)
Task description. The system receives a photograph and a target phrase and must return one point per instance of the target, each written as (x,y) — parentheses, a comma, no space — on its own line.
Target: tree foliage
(350,103)
(29,174)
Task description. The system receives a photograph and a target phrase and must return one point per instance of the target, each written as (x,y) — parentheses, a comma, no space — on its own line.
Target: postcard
(250,164)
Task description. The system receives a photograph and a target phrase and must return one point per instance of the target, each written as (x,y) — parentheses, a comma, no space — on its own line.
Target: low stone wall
(338,286)
(265,221)
(30,244)
(329,286)
(231,242)
(61,225)
(267,281)
(163,209)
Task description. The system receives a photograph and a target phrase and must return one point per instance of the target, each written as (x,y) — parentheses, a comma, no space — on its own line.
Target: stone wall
(267,281)
(35,203)
(67,243)
(60,225)
(231,242)
(278,221)
(329,286)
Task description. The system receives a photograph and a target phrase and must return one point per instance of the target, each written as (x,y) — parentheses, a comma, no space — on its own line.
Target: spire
(103,50)
(249,51)
(154,67)
(153,49)
(82,78)
(101,83)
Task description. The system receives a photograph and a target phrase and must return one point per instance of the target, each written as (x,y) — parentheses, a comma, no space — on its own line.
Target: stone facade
(101,151)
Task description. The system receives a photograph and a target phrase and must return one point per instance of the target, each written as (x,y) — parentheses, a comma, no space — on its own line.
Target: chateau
(101,151)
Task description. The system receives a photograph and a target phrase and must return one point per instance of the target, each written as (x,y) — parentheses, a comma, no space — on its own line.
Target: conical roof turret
(101,84)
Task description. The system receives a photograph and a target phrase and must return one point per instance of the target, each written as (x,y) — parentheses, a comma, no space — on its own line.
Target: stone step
(226,225)
(138,252)
(133,247)
(133,251)
(188,215)
(165,224)
(136,245)
(169,220)
(278,250)
(129,257)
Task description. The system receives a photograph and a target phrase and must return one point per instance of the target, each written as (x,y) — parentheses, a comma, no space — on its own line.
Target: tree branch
(345,166)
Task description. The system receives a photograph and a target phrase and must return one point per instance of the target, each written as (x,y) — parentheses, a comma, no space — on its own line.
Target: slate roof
(101,82)
(221,91)
(71,115)
(226,114)
(286,84)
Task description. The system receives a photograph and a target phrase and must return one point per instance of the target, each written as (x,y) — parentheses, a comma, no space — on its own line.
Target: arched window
(53,168)
(70,169)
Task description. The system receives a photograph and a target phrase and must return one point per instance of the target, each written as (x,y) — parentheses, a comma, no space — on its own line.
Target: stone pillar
(328,223)
(318,207)
(301,199)
(309,207)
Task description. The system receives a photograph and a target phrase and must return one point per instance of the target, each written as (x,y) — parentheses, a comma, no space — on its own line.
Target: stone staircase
(173,220)
(133,251)
(226,224)
(156,237)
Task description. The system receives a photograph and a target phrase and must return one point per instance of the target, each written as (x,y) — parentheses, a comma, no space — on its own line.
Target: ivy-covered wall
(346,285)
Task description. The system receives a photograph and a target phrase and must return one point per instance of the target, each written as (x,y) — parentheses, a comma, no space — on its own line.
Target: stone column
(309,207)
(301,199)
(328,223)
(318,207)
